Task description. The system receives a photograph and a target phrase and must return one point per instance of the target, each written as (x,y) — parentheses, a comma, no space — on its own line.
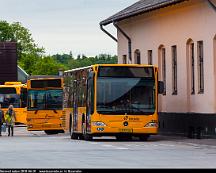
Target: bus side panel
(81,115)
(66,118)
(21,114)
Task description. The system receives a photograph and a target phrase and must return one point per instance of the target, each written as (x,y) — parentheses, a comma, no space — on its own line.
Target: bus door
(75,107)
(90,100)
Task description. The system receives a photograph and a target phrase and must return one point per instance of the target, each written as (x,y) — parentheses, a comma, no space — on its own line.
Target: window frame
(174,70)
(200,65)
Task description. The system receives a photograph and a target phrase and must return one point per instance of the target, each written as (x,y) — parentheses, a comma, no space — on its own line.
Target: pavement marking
(115,147)
(106,145)
(166,145)
(122,148)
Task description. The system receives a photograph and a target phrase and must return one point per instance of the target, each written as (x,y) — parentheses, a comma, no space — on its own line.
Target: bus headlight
(151,124)
(98,124)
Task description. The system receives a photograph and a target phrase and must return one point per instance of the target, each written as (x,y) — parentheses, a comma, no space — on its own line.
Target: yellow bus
(45,111)
(14,93)
(114,100)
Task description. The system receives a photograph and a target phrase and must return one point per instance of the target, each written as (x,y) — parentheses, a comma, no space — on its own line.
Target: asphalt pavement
(38,150)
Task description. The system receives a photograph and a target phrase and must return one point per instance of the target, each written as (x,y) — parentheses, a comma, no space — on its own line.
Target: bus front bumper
(116,130)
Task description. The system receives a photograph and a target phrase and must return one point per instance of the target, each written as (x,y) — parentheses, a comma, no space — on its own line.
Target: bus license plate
(126,130)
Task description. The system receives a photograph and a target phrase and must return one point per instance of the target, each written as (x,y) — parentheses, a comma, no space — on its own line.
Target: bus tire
(51,132)
(144,137)
(86,136)
(72,134)
(81,137)
(123,138)
(70,123)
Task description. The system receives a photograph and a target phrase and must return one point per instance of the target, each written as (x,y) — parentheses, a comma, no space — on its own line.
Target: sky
(61,26)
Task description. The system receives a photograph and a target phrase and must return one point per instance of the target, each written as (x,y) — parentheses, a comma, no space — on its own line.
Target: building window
(200,67)
(174,70)
(137,57)
(124,60)
(150,57)
(163,58)
(191,47)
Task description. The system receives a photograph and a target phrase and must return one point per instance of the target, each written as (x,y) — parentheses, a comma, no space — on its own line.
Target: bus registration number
(126,130)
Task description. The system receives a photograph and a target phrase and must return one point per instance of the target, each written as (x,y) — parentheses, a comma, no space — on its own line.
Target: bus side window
(23,97)
(90,96)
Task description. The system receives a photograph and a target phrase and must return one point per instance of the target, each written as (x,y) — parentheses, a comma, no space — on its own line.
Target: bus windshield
(9,96)
(54,99)
(132,96)
(45,99)
(10,99)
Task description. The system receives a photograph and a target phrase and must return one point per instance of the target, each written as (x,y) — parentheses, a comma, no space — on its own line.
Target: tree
(47,66)
(15,32)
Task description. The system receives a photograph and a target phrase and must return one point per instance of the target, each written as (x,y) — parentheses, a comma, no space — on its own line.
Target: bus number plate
(126,130)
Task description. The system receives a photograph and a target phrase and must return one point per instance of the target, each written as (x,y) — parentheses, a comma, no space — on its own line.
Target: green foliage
(63,59)
(47,66)
(83,61)
(15,32)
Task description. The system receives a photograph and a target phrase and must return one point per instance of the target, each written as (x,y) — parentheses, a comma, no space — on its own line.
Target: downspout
(129,41)
(212,5)
(106,32)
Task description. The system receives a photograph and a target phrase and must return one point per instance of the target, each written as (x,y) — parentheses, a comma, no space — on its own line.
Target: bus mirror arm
(160,87)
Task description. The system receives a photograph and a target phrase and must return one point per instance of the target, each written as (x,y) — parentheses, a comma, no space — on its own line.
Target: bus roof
(122,65)
(12,84)
(39,77)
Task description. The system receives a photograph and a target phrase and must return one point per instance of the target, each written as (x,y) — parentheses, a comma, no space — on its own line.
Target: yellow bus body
(21,112)
(114,124)
(50,121)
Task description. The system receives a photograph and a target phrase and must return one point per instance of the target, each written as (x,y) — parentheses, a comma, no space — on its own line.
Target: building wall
(176,25)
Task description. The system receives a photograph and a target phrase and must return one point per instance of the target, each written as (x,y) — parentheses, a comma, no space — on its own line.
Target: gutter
(212,5)
(129,41)
(106,32)
(115,39)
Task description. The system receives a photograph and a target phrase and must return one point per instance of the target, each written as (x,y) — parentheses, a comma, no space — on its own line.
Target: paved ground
(37,150)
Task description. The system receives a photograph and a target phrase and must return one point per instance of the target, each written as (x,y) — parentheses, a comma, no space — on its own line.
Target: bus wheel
(144,137)
(123,138)
(72,134)
(51,132)
(81,137)
(88,137)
